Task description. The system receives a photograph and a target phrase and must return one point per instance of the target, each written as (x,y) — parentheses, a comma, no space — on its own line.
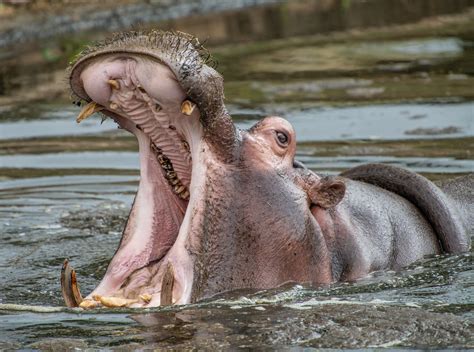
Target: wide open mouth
(151,267)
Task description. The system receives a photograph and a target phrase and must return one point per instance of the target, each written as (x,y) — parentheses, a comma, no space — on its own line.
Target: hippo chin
(219,209)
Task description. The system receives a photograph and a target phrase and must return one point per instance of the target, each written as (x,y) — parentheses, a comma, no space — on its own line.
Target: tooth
(113,106)
(187,107)
(179,188)
(173,181)
(171,174)
(146,297)
(114,84)
(113,302)
(167,284)
(88,110)
(184,195)
(69,287)
(89,304)
(161,158)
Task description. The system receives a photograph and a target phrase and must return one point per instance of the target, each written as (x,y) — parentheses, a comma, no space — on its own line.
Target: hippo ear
(328,192)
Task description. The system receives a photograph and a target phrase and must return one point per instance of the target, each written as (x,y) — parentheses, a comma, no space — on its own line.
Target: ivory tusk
(187,107)
(114,84)
(69,287)
(88,110)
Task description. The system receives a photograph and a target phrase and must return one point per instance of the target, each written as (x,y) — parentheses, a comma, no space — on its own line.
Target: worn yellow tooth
(114,84)
(179,188)
(89,304)
(113,106)
(146,297)
(187,107)
(184,195)
(96,298)
(113,302)
(174,181)
(172,174)
(88,110)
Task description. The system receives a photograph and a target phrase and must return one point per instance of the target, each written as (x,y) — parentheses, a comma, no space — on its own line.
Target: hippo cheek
(173,122)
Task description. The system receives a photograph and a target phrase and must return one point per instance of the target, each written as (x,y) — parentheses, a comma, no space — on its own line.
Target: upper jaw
(149,84)
(151,105)
(169,135)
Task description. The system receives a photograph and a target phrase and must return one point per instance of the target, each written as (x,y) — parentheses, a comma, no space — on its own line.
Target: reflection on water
(400,96)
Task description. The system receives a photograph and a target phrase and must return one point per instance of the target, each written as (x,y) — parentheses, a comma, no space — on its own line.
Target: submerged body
(219,209)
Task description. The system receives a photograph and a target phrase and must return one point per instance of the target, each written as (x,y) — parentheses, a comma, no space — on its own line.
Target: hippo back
(439,209)
(461,191)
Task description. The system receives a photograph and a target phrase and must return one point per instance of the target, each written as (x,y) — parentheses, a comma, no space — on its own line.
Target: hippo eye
(282,138)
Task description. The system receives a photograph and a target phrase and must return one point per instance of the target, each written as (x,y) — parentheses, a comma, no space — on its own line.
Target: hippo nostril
(298,165)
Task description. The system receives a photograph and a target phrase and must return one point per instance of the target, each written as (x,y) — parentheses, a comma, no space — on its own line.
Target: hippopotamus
(219,208)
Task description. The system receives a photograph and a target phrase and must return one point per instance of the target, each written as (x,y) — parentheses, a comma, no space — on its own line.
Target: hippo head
(217,208)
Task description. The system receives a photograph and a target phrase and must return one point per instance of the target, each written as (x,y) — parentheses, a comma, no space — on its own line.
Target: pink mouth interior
(146,101)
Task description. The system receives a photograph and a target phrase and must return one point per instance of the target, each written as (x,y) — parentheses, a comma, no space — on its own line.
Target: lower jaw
(167,278)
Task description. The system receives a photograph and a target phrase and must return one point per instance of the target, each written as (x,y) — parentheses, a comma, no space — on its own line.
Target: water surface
(401,96)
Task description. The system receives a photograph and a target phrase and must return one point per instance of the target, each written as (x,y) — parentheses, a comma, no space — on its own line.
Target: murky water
(403,97)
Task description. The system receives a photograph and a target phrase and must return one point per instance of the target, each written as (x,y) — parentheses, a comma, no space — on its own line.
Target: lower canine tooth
(69,287)
(88,110)
(187,107)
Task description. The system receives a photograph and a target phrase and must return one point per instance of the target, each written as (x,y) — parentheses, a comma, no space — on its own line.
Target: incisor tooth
(146,297)
(89,304)
(88,110)
(187,107)
(113,106)
(113,302)
(114,84)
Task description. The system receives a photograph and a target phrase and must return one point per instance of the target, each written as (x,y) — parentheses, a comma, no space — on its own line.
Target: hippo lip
(151,265)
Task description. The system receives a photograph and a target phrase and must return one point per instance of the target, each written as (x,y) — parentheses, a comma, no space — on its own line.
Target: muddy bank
(33,22)
(109,17)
